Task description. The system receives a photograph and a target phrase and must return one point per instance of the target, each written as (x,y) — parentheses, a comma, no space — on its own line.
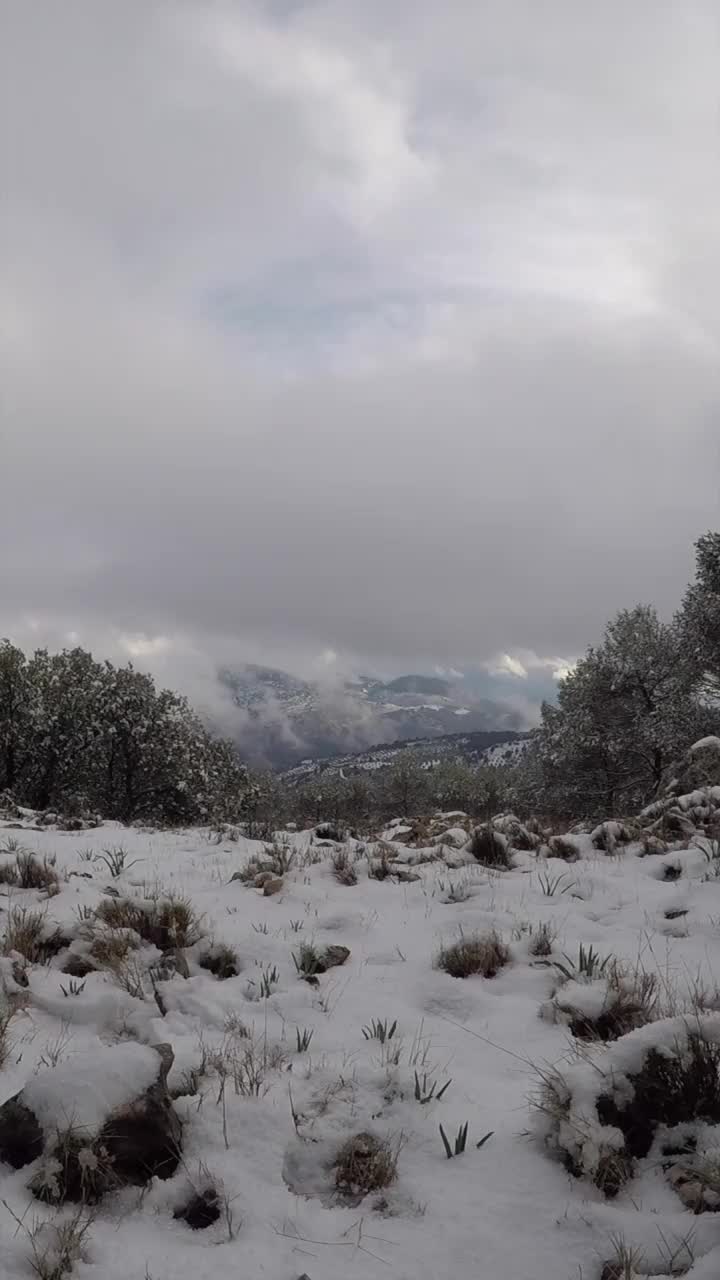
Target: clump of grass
(29,872)
(55,1247)
(483,953)
(344,868)
(115,859)
(6,1017)
(365,1163)
(165,923)
(630,1002)
(221,960)
(307,960)
(75,1169)
(36,874)
(380,1030)
(542,940)
(588,966)
(625,1263)
(303,1036)
(111,946)
(490,849)
(379,867)
(426,1089)
(26,932)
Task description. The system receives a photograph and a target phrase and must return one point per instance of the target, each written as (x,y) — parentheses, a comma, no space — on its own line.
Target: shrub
(604,1112)
(483,953)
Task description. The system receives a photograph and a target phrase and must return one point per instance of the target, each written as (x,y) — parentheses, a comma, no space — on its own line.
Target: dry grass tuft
(365,1163)
(165,923)
(483,953)
(343,867)
(26,932)
(34,874)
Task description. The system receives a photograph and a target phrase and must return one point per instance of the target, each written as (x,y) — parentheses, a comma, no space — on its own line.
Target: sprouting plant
(307,960)
(86,855)
(297,926)
(303,1036)
(85,913)
(426,1089)
(551,885)
(269,979)
(461,1138)
(115,859)
(589,964)
(74,988)
(262,928)
(381,1031)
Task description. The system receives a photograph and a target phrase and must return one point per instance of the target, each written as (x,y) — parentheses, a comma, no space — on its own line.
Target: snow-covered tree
(700,614)
(625,712)
(15,713)
(75,733)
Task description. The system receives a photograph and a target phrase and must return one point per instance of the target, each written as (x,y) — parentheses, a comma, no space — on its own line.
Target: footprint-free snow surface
(272,1073)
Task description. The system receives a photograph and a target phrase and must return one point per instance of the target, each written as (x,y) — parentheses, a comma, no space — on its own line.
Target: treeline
(78,735)
(410,786)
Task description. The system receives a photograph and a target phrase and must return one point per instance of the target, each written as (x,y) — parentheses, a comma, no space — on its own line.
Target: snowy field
(272,1074)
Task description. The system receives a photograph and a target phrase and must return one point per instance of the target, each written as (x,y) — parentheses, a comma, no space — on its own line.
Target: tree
(700,614)
(623,715)
(82,734)
(15,713)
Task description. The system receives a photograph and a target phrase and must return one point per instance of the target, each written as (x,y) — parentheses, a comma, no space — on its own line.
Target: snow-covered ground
(505,1211)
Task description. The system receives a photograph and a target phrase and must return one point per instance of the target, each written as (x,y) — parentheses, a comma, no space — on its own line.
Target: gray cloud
(383,328)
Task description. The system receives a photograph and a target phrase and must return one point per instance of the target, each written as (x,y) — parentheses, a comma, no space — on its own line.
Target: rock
(332,957)
(273,885)
(78,965)
(261,879)
(454,838)
(201,1211)
(21,1138)
(97,1152)
(180,962)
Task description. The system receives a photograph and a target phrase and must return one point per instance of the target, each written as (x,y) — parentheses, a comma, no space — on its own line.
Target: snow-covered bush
(602,1114)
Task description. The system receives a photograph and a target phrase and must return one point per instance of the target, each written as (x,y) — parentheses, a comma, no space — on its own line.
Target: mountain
(283,719)
(492,747)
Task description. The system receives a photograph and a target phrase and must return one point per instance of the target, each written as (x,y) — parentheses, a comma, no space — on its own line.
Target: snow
(82,1092)
(508,1208)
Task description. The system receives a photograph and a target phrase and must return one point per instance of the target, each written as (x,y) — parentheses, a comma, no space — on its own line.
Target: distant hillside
(286,719)
(493,747)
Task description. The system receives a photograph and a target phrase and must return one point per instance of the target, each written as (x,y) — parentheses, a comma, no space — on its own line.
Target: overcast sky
(379,328)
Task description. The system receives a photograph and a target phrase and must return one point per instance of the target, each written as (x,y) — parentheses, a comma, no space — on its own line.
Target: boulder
(101,1120)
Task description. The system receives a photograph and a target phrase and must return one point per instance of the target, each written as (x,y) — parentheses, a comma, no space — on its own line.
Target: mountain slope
(285,719)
